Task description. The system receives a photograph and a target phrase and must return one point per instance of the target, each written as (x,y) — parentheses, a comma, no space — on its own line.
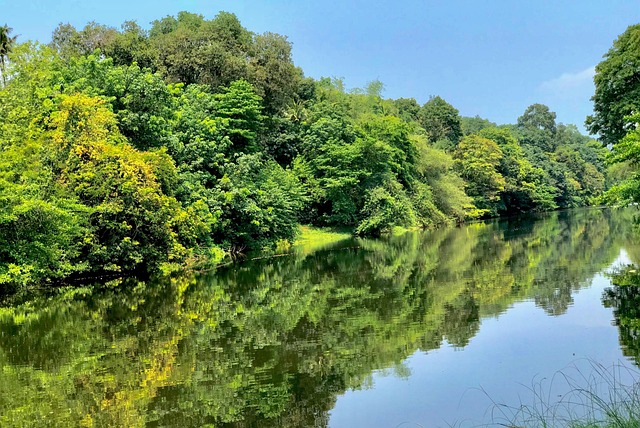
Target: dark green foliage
(538,116)
(525,188)
(38,234)
(370,170)
(202,145)
(537,127)
(283,141)
(194,50)
(359,174)
(441,121)
(272,71)
(473,125)
(254,201)
(384,207)
(627,152)
(571,165)
(69,42)
(259,202)
(616,117)
(408,109)
(190,49)
(239,109)
(617,82)
(220,51)
(582,180)
(131,45)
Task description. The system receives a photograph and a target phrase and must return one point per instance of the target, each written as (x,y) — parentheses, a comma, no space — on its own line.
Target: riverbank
(593,396)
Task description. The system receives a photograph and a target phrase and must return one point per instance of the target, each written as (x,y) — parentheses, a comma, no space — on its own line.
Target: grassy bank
(595,397)
(310,235)
(313,238)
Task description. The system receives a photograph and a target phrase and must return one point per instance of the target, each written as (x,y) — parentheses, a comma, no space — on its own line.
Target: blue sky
(487,58)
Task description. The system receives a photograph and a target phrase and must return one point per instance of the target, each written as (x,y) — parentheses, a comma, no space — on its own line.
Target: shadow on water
(273,342)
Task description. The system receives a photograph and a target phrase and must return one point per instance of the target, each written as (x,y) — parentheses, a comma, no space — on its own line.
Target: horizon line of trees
(131,149)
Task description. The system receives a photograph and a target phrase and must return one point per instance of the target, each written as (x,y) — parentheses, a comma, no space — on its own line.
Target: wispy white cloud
(570,82)
(569,95)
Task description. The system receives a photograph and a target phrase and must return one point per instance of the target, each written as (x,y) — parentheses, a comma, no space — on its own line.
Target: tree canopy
(617,93)
(133,150)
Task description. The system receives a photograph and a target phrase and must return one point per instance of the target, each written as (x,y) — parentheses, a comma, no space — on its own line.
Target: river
(468,326)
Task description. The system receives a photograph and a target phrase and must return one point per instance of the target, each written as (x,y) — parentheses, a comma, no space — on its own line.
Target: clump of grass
(601,397)
(312,238)
(310,234)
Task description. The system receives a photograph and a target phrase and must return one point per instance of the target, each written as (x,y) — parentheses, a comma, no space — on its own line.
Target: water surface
(423,329)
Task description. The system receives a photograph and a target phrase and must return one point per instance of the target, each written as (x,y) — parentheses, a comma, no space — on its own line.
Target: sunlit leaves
(477,160)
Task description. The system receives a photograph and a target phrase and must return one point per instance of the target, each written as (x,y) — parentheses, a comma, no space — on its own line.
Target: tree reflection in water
(273,342)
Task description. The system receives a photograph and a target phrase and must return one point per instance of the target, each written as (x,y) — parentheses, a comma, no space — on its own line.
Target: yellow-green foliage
(310,235)
(119,218)
(162,147)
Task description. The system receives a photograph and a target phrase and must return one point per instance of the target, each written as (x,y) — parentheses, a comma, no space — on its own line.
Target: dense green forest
(134,149)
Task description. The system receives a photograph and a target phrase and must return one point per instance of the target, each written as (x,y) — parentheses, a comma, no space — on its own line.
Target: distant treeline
(132,149)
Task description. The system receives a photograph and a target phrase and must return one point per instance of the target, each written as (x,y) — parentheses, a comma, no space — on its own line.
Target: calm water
(455,326)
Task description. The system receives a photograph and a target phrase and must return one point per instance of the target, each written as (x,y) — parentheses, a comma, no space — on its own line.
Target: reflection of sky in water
(512,355)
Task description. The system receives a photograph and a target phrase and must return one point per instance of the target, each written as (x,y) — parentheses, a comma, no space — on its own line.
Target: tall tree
(131,45)
(70,42)
(524,190)
(537,127)
(408,109)
(617,82)
(6,46)
(478,159)
(538,116)
(441,121)
(473,125)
